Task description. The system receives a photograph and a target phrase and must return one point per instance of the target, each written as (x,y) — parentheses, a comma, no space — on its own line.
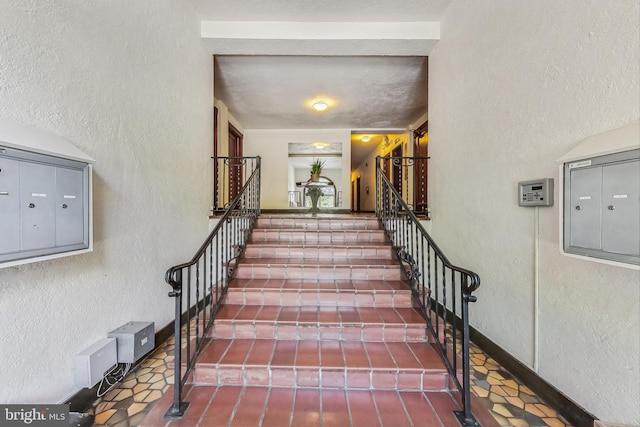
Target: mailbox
(45,200)
(601,202)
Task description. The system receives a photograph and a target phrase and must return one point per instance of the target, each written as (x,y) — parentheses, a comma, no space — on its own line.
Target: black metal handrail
(206,277)
(442,290)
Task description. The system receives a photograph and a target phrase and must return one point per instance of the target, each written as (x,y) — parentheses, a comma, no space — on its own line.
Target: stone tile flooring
(509,401)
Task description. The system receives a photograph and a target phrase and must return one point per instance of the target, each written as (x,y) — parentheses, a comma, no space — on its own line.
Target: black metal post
(178,408)
(465,417)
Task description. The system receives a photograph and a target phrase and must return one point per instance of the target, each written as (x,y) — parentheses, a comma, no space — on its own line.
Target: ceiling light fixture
(320,145)
(365,138)
(320,105)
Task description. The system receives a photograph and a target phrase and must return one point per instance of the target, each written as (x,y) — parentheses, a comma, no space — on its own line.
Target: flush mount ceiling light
(320,145)
(365,138)
(320,105)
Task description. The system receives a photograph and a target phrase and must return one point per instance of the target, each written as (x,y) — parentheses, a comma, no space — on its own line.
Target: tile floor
(509,401)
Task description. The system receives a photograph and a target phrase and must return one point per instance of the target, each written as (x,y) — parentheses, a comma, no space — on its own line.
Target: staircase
(317,328)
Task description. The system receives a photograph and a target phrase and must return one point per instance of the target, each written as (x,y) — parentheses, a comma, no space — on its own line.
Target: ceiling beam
(320,38)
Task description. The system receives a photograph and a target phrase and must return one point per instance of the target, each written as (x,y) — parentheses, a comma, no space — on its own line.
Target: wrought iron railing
(408,175)
(199,285)
(441,290)
(229,176)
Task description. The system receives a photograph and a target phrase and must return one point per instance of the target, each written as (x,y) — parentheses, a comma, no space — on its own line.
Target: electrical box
(602,207)
(45,197)
(134,339)
(93,363)
(537,192)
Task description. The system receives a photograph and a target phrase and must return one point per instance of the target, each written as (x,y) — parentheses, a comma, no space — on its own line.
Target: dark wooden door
(358,194)
(235,163)
(216,189)
(421,168)
(396,168)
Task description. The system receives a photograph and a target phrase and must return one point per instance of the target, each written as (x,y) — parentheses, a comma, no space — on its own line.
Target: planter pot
(315,177)
(314,202)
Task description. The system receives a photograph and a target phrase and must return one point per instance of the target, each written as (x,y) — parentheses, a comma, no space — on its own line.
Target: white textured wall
(272,145)
(513,86)
(129,84)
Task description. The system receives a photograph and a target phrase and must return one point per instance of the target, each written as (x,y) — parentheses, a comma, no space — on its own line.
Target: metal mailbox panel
(621,208)
(585,207)
(9,206)
(70,224)
(37,209)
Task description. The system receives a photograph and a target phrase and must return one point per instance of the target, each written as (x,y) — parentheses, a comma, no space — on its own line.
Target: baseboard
(571,411)
(84,398)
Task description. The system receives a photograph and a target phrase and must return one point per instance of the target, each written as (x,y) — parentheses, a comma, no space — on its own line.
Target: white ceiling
(367,58)
(364,92)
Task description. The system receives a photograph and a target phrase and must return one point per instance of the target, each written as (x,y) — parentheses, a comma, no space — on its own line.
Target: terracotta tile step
(320,251)
(319,297)
(318,223)
(315,237)
(288,268)
(285,406)
(360,286)
(320,323)
(326,364)
(338,293)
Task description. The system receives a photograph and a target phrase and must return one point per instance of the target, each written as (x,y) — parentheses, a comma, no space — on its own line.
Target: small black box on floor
(134,340)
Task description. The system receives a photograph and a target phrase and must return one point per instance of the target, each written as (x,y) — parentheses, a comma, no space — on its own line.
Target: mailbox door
(621,208)
(9,206)
(585,207)
(70,224)
(37,199)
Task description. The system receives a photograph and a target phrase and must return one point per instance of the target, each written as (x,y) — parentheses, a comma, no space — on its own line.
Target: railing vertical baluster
(429,278)
(454,342)
(436,305)
(444,311)
(188,328)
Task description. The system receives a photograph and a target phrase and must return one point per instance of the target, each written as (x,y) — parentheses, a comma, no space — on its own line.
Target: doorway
(235,162)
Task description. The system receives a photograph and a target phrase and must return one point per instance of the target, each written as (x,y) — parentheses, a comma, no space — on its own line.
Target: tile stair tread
(307,315)
(319,230)
(319,285)
(321,354)
(315,262)
(341,245)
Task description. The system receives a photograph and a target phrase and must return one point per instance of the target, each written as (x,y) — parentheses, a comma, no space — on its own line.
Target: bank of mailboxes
(602,207)
(44,204)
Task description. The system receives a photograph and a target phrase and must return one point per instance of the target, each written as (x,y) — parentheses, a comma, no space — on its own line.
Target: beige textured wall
(129,84)
(512,87)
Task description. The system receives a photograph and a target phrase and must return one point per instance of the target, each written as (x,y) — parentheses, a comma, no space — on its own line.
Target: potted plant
(316,170)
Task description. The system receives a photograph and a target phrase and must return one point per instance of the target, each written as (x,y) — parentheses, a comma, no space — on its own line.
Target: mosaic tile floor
(509,401)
